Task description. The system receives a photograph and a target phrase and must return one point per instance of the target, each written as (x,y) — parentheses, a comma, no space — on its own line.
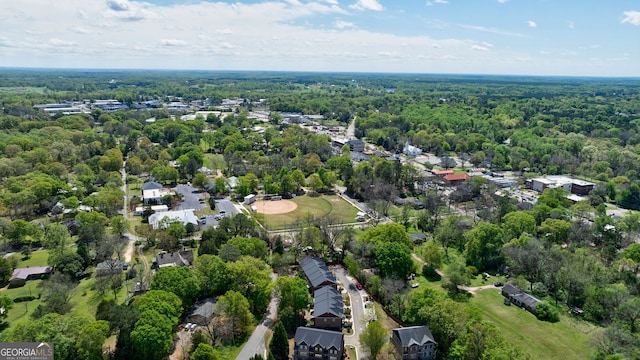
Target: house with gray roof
(328,308)
(317,273)
(179,258)
(414,342)
(202,312)
(520,298)
(20,276)
(318,344)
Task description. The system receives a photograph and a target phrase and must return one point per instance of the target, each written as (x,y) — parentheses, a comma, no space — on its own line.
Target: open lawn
(567,339)
(330,205)
(38,258)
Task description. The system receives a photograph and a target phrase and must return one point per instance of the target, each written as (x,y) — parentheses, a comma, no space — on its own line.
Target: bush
(24,298)
(547,312)
(429,272)
(473,270)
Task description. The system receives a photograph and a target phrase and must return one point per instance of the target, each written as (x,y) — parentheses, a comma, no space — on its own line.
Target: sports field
(285,214)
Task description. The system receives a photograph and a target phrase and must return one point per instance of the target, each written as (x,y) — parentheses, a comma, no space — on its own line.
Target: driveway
(357,309)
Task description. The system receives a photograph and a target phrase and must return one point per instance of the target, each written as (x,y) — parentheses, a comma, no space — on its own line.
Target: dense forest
(570,255)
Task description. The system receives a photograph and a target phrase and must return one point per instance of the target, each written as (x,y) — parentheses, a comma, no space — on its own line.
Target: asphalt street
(357,309)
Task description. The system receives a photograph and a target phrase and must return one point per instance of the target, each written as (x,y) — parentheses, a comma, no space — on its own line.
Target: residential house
(180,258)
(520,298)
(317,273)
(356,145)
(414,342)
(318,344)
(162,219)
(418,238)
(20,276)
(328,308)
(152,193)
(411,150)
(202,312)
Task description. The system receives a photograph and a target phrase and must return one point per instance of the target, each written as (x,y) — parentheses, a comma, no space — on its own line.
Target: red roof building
(455,179)
(442,172)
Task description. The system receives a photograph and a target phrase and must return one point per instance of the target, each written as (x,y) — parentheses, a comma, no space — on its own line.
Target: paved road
(357,309)
(256,343)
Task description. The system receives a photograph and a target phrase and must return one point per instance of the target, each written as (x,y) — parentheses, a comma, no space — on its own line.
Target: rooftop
(325,338)
(414,335)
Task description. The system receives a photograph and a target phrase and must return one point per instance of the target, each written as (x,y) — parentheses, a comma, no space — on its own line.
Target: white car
(188,326)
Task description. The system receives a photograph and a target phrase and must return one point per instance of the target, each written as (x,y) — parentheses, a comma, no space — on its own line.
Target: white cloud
(80,30)
(332,2)
(479,48)
(367,5)
(502,1)
(631,17)
(545,52)
(532,24)
(344,24)
(489,30)
(570,24)
(173,42)
(58,42)
(224,32)
(430,3)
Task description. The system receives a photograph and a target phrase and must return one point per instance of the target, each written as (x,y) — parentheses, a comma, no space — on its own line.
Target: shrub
(547,312)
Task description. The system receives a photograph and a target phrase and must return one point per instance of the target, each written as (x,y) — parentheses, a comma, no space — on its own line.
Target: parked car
(188,327)
(358,286)
(498,284)
(415,285)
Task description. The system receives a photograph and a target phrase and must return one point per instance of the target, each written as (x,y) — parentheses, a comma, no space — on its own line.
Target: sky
(514,37)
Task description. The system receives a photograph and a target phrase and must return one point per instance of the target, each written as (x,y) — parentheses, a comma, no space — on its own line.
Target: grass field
(38,258)
(568,339)
(331,205)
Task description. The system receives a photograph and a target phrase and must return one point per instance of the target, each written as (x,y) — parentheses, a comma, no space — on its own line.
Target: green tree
(456,276)
(373,338)
(212,276)
(91,339)
(6,304)
(119,225)
(484,245)
(235,308)
(205,352)
(279,345)
(391,232)
(200,180)
(394,259)
(517,223)
(178,280)
(554,230)
(294,300)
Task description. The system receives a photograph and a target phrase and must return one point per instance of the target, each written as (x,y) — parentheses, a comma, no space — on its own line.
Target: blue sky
(523,37)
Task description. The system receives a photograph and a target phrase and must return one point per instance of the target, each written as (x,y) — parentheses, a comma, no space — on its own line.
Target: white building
(249,199)
(411,150)
(163,219)
(156,208)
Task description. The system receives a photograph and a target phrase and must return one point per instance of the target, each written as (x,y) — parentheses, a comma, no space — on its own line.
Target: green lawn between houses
(331,205)
(567,339)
